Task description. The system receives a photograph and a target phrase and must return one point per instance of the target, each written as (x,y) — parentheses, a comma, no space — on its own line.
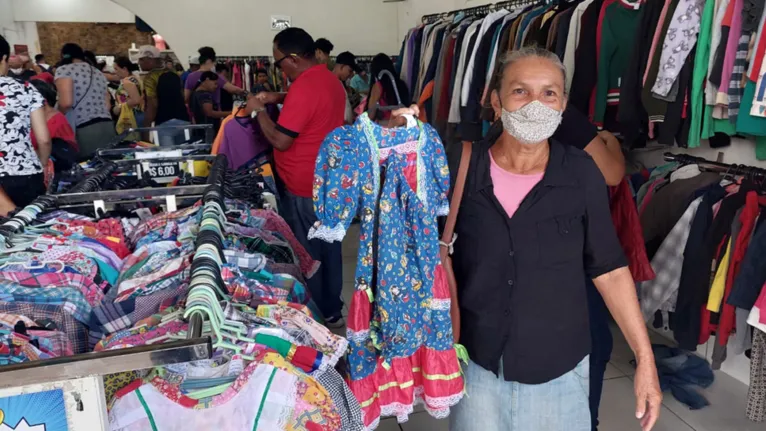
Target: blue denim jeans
(174,136)
(492,404)
(327,283)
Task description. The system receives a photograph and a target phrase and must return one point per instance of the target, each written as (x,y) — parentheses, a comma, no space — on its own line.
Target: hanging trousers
(601,348)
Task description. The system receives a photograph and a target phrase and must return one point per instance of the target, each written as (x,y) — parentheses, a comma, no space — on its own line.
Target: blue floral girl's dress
(399,327)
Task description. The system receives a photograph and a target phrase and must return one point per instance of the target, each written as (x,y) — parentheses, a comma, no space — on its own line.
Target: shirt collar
(556,173)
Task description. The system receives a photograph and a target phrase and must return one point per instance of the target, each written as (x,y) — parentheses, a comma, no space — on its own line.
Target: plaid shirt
(662,292)
(166,269)
(159,222)
(10,320)
(113,317)
(343,398)
(278,251)
(93,293)
(74,330)
(70,298)
(55,341)
(248,261)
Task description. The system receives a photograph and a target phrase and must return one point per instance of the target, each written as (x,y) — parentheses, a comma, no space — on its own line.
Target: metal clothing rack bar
(213,194)
(107,362)
(243,57)
(120,195)
(124,151)
(476,10)
(44,203)
(201,157)
(711,166)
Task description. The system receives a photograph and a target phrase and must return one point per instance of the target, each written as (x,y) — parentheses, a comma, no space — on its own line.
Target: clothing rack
(44,203)
(476,10)
(221,58)
(206,268)
(732,169)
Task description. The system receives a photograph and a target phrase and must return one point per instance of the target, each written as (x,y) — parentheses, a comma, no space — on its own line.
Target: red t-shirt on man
(315,106)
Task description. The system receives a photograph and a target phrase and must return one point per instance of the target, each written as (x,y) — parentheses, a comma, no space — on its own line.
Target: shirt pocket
(561,239)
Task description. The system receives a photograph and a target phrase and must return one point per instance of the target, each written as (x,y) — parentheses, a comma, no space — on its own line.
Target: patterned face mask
(532,123)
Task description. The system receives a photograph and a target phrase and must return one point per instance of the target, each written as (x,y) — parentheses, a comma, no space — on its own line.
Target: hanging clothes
(399,327)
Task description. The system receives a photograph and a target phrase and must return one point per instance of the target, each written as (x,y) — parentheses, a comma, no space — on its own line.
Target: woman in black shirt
(534,222)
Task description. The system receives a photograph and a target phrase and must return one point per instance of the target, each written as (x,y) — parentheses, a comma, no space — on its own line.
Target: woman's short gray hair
(512,57)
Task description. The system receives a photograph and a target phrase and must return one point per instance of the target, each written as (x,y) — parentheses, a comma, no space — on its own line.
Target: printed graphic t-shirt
(89,91)
(17,102)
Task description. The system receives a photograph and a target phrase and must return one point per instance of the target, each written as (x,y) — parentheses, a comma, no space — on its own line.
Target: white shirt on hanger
(493,56)
(454,109)
(468,77)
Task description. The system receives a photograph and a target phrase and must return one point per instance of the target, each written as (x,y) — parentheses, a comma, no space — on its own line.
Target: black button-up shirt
(521,280)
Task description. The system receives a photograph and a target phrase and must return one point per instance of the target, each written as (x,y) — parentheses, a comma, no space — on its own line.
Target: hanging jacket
(586,59)
(628,226)
(631,113)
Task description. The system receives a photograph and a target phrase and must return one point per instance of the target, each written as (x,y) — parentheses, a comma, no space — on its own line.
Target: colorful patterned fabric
(69,298)
(400,338)
(93,293)
(62,319)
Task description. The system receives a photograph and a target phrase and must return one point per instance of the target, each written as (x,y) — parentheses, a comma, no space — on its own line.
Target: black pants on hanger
(601,348)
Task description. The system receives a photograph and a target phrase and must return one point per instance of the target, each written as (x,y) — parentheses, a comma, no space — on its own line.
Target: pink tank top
(511,189)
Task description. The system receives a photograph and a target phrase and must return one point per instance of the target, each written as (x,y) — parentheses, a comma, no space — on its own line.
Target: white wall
(741,151)
(242,27)
(72,11)
(16,32)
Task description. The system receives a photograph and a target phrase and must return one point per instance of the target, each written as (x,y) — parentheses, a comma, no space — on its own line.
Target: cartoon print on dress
(401,186)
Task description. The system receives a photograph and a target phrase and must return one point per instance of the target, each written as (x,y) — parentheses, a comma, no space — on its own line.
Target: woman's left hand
(648,394)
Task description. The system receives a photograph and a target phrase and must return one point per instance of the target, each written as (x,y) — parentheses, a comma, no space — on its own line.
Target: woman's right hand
(397,116)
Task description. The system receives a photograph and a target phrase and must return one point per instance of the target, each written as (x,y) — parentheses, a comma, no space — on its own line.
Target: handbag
(448,237)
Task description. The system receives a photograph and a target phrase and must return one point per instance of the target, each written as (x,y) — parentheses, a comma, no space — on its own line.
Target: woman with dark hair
(203,104)
(207,63)
(130,91)
(21,169)
(84,99)
(64,146)
(383,90)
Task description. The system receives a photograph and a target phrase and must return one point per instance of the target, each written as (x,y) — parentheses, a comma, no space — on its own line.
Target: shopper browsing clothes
(21,111)
(164,105)
(537,209)
(344,69)
(85,100)
(207,59)
(313,107)
(322,50)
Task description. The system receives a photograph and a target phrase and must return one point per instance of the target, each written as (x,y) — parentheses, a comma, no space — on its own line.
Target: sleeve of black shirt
(576,129)
(603,252)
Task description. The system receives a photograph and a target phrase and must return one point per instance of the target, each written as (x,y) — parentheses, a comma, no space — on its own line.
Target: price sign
(161,172)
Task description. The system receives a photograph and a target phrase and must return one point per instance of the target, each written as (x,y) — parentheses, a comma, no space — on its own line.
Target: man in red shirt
(312,108)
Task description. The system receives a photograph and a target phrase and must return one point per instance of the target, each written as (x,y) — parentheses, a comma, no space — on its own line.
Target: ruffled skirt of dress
(429,376)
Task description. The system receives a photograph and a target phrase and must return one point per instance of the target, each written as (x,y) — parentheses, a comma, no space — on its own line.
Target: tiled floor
(727,396)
